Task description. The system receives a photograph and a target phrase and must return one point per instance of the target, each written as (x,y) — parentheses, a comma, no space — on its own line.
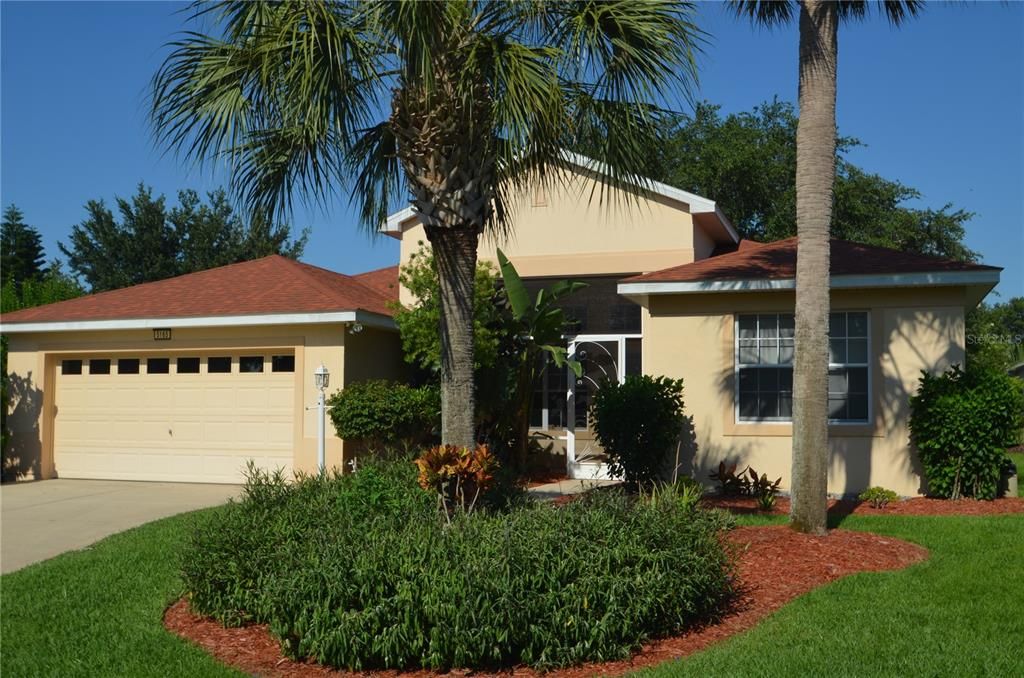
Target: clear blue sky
(939,103)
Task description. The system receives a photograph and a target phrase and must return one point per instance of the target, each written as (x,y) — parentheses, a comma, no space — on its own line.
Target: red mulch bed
(775,565)
(917,506)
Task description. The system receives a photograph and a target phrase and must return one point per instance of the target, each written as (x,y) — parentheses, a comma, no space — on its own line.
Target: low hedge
(359,572)
(386,414)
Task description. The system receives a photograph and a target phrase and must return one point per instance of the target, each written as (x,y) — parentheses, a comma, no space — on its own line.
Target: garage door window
(188,365)
(101,366)
(158,365)
(71,367)
(282,363)
(250,364)
(128,366)
(218,365)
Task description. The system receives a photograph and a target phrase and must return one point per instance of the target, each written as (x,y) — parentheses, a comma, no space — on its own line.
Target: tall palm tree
(458,106)
(815,178)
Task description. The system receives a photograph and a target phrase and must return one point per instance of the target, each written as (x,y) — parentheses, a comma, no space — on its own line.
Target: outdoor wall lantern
(321,377)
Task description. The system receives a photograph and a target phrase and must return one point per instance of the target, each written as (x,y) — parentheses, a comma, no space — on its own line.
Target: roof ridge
(307,272)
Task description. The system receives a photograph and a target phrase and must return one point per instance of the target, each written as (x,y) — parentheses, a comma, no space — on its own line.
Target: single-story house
(218,365)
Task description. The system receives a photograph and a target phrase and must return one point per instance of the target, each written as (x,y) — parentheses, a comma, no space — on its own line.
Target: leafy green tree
(21,249)
(995,335)
(815,183)
(747,161)
(50,287)
(151,242)
(457,106)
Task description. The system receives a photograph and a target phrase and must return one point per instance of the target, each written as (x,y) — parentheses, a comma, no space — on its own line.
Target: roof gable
(271,285)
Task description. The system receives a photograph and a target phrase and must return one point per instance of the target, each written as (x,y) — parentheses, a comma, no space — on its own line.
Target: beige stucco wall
(32,358)
(691,336)
(572,230)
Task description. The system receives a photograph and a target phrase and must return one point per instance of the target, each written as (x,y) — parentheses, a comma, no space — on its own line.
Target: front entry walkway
(39,520)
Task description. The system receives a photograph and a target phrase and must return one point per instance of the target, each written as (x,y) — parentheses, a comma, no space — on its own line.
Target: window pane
(748,351)
(71,367)
(282,363)
(837,407)
(786,405)
(218,365)
(837,381)
(786,351)
(767,380)
(768,405)
(158,365)
(857,378)
(748,405)
(634,356)
(188,365)
(249,364)
(101,366)
(787,326)
(857,324)
(769,353)
(748,381)
(858,407)
(857,351)
(837,351)
(748,326)
(837,324)
(768,326)
(786,379)
(128,366)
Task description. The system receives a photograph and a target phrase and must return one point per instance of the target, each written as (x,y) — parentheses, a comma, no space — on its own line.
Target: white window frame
(787,421)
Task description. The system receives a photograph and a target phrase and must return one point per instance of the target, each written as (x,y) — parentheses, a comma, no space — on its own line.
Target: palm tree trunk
(815,176)
(455,256)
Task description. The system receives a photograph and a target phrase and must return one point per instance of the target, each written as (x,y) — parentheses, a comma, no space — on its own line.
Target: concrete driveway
(39,520)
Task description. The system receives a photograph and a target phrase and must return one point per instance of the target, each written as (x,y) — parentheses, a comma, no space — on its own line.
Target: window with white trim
(765,344)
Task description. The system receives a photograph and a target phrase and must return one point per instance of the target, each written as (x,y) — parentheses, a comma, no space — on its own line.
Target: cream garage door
(180,418)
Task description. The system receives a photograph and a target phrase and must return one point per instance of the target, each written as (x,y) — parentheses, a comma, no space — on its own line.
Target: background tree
(995,335)
(815,178)
(747,161)
(151,242)
(457,106)
(21,252)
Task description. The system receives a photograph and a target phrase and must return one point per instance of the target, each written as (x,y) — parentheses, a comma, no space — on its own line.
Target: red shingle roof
(777,261)
(273,284)
(384,280)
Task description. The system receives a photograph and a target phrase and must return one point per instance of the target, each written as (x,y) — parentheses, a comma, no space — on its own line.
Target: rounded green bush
(962,423)
(386,414)
(393,587)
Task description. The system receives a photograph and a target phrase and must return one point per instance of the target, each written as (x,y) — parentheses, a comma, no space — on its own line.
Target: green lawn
(97,612)
(959,613)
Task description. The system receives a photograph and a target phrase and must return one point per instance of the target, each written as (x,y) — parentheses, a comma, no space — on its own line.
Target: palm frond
(764,12)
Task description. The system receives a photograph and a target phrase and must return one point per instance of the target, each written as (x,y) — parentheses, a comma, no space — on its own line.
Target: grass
(97,612)
(1018,460)
(959,613)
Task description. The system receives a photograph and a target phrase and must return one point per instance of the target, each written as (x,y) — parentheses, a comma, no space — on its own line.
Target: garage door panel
(171,427)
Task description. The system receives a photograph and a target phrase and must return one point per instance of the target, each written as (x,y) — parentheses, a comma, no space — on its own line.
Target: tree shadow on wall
(23,455)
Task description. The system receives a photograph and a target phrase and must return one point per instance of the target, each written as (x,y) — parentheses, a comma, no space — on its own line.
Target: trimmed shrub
(396,587)
(962,423)
(638,422)
(386,414)
(878,497)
